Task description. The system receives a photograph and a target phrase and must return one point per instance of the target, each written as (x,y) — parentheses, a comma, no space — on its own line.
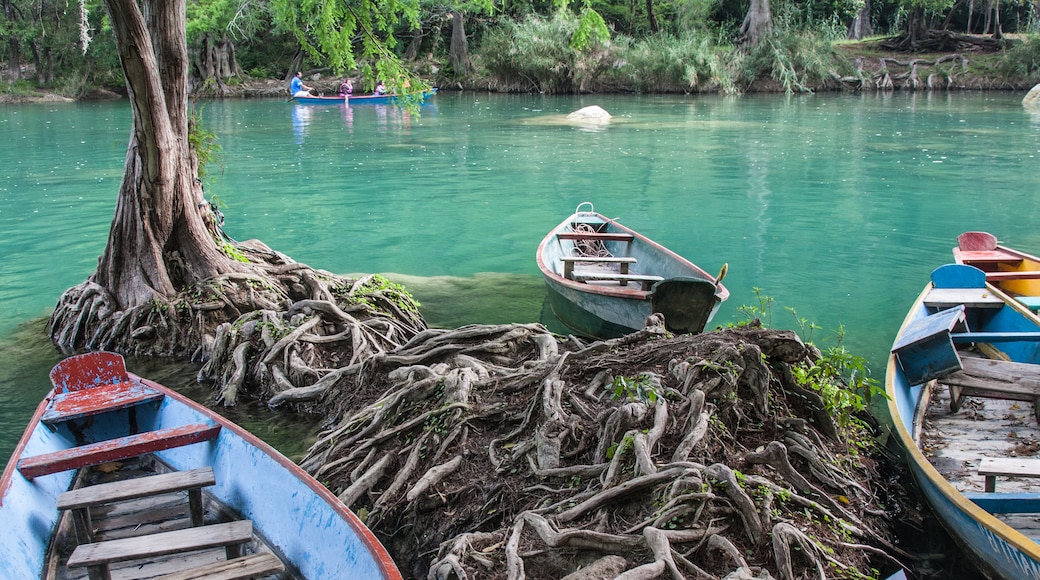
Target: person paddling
(297,88)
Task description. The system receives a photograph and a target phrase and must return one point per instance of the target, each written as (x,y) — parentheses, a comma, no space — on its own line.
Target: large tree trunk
(459,52)
(757,23)
(159,212)
(651,18)
(861,26)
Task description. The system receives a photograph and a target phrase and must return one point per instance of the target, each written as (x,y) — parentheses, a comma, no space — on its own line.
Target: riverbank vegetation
(253,48)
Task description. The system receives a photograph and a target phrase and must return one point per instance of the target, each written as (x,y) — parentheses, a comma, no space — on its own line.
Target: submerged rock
(591,114)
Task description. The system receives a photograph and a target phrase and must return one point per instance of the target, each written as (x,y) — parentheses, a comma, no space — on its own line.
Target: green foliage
(639,389)
(231,251)
(842,380)
(591,29)
(664,63)
(540,54)
(761,312)
(1023,59)
(203,142)
(796,60)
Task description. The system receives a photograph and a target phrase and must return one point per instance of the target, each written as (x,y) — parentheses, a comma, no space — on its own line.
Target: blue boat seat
(925,350)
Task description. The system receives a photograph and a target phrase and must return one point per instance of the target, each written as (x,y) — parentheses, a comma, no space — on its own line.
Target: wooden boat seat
(1030,302)
(77,404)
(925,350)
(647,281)
(251,566)
(1006,503)
(1014,275)
(116,449)
(985,257)
(994,379)
(569,261)
(991,467)
(82,499)
(943,298)
(601,236)
(96,557)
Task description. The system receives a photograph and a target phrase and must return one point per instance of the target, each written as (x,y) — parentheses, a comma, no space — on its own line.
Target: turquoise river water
(835,206)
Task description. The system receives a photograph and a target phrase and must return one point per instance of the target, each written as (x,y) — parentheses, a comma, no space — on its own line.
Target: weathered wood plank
(991,467)
(211,536)
(1013,275)
(1006,503)
(86,402)
(82,499)
(943,298)
(986,257)
(116,449)
(966,337)
(646,281)
(569,261)
(244,567)
(996,379)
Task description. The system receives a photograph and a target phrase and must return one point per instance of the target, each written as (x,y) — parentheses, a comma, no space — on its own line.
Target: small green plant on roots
(638,389)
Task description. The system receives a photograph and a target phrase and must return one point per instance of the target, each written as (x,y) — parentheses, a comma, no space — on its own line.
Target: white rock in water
(590,114)
(1032,98)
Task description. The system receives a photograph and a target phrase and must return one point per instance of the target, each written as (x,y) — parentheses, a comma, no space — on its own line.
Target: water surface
(834,206)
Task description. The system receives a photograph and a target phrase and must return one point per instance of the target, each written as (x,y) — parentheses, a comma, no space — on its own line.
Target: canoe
(604,279)
(1011,270)
(963,383)
(359,99)
(99,479)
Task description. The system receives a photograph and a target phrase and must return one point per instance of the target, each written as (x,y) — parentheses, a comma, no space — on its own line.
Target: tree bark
(757,23)
(159,211)
(861,26)
(459,52)
(651,18)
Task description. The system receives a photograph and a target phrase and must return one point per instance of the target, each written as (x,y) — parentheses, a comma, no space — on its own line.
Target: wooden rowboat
(963,382)
(1011,270)
(118,476)
(387,99)
(605,279)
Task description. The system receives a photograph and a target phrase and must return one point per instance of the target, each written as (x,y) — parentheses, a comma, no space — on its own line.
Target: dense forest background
(67,48)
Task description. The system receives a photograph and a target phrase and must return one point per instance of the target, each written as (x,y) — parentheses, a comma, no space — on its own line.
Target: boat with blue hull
(119,476)
(963,381)
(387,99)
(604,279)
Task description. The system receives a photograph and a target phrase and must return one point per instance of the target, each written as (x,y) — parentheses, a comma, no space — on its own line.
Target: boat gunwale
(920,464)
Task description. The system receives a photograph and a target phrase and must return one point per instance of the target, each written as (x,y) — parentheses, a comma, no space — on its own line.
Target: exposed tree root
(507,452)
(491,453)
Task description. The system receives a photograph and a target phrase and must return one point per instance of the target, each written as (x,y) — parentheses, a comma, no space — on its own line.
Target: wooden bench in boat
(647,281)
(1030,302)
(116,449)
(1006,503)
(96,557)
(973,257)
(249,566)
(92,401)
(601,236)
(944,298)
(991,467)
(82,499)
(569,261)
(969,337)
(994,379)
(1012,275)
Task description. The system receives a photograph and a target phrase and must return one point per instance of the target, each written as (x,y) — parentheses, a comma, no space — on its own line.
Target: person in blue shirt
(297,88)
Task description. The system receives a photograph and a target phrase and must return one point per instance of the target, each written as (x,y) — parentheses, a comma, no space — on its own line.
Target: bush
(540,54)
(666,63)
(796,60)
(1022,61)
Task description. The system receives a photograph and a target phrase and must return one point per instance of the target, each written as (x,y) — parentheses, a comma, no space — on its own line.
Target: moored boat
(604,279)
(963,382)
(387,99)
(119,475)
(1013,271)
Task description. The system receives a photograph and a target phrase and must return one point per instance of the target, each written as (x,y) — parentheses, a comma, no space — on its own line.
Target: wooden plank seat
(969,337)
(72,405)
(96,557)
(249,566)
(1030,302)
(994,379)
(647,281)
(1012,275)
(601,236)
(116,449)
(944,298)
(1006,503)
(992,467)
(82,499)
(569,261)
(978,257)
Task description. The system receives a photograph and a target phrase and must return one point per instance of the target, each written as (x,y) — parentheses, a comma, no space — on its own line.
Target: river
(835,206)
